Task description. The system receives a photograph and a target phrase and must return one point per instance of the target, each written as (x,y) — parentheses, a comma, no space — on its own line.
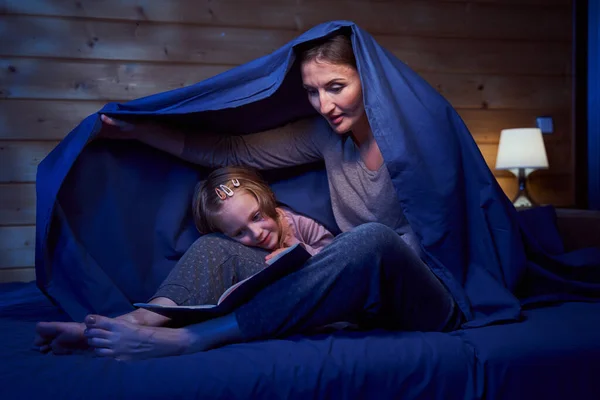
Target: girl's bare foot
(60,337)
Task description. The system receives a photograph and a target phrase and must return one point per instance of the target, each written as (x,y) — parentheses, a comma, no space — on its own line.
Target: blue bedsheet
(553,354)
(341,365)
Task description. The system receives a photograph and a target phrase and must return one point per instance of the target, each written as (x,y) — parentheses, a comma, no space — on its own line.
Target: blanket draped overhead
(113,217)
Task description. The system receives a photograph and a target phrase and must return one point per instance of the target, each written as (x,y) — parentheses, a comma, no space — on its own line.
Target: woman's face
(335,91)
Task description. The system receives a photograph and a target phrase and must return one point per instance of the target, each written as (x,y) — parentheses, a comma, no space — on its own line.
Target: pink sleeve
(313,235)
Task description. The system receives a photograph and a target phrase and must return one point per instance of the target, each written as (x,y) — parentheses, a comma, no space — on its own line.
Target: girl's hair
(335,49)
(207,204)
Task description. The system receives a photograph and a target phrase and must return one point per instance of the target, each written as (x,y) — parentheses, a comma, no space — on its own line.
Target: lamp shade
(521,148)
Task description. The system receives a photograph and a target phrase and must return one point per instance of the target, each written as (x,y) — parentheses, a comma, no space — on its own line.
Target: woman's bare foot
(123,340)
(60,337)
(126,341)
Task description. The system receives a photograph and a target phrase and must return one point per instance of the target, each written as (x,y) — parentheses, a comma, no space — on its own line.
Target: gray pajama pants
(212,264)
(368,276)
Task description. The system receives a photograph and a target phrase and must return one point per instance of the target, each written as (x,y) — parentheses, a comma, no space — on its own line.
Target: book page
(231,289)
(269,262)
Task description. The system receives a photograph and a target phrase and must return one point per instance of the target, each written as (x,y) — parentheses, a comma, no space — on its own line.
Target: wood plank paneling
(486,125)
(84,39)
(480,56)
(133,41)
(470,20)
(17,275)
(17,204)
(499,91)
(57,79)
(17,246)
(19,160)
(53,119)
(53,79)
(44,119)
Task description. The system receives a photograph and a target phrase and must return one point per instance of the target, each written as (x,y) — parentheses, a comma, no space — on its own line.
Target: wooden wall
(501,63)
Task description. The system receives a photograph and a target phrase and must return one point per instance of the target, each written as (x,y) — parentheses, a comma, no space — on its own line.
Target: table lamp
(521,151)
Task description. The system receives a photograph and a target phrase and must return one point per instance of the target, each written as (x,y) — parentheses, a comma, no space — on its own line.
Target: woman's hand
(155,135)
(113,128)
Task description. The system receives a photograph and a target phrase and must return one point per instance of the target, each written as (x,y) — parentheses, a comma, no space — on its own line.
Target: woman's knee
(374,228)
(373,234)
(373,240)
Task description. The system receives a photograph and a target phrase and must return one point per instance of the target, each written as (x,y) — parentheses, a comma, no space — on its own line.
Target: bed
(342,365)
(554,352)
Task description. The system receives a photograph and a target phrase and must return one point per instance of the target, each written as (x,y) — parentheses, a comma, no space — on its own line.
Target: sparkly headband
(224,191)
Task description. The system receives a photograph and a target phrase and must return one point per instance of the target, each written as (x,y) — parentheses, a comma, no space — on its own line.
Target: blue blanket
(553,353)
(343,365)
(113,218)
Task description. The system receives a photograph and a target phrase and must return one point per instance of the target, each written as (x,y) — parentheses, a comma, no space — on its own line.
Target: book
(284,263)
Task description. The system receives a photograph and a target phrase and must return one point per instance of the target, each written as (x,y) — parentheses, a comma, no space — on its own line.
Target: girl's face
(241,219)
(335,92)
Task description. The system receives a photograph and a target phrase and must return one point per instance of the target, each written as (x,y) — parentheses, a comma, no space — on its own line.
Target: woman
(371,274)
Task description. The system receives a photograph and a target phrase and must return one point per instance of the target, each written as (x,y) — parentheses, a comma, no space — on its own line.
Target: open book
(284,263)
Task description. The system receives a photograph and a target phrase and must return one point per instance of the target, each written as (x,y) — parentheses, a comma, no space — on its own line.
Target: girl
(237,203)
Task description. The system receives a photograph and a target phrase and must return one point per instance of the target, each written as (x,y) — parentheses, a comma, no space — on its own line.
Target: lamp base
(522,198)
(523,201)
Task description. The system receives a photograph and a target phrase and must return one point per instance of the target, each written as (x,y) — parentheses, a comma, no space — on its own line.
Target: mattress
(553,354)
(377,364)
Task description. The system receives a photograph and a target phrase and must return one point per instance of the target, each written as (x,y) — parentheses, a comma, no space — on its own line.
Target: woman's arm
(300,142)
(169,140)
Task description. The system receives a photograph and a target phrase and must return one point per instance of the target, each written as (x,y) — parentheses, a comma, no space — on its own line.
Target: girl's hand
(113,128)
(273,254)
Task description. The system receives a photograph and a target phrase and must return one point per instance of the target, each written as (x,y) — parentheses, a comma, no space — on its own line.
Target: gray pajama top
(358,195)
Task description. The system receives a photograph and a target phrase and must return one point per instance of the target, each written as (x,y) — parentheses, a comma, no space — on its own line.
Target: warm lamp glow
(522,151)
(521,148)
